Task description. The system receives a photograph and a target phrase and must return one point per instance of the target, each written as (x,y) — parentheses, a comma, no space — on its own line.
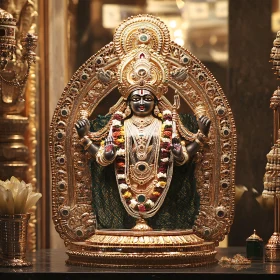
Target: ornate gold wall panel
(18,103)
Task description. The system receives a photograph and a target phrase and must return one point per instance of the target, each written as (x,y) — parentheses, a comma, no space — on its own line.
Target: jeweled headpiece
(142,43)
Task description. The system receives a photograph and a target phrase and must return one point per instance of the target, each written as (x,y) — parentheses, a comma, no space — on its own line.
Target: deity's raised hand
(82,127)
(204,124)
(109,150)
(176,148)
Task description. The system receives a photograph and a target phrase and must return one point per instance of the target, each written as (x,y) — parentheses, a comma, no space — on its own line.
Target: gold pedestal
(142,249)
(272,248)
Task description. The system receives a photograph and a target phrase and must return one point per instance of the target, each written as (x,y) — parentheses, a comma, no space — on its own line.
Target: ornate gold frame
(71,180)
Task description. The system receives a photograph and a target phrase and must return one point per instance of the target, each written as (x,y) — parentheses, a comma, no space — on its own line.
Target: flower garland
(118,134)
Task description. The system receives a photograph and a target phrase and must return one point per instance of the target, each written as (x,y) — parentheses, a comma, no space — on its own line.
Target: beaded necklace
(142,205)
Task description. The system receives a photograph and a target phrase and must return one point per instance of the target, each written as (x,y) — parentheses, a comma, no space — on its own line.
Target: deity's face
(142,102)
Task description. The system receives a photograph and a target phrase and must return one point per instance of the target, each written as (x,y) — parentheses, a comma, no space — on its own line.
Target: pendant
(142,172)
(141,150)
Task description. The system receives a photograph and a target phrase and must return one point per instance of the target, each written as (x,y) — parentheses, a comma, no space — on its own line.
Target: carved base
(14,263)
(272,249)
(142,249)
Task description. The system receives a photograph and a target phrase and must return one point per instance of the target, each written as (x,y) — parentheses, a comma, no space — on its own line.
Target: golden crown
(142,43)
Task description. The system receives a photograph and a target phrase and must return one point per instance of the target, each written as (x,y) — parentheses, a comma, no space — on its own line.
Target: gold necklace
(142,122)
(141,136)
(140,169)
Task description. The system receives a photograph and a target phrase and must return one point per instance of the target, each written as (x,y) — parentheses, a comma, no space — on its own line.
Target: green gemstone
(141,198)
(65,212)
(62,186)
(143,38)
(64,112)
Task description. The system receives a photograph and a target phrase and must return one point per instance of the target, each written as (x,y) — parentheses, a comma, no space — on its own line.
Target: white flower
(133,203)
(123,186)
(165,159)
(163,139)
(16,197)
(120,152)
(121,176)
(166,112)
(149,202)
(167,122)
(161,175)
(120,113)
(116,123)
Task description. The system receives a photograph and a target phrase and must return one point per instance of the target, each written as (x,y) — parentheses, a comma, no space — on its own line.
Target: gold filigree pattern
(131,33)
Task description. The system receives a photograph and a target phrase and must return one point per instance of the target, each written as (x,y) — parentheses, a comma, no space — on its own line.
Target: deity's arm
(202,133)
(182,152)
(91,148)
(179,151)
(107,152)
(82,127)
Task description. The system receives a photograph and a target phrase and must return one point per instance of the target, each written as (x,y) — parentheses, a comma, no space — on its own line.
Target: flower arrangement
(164,156)
(16,197)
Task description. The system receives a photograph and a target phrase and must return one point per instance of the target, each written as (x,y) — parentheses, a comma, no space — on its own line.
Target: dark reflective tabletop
(51,263)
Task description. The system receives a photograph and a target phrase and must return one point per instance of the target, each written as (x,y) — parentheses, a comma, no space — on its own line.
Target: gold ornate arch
(96,79)
(93,81)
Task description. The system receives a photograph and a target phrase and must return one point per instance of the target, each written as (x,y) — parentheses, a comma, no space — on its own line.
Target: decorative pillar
(272,174)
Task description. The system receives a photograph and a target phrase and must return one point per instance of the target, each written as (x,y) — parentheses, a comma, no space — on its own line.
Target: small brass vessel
(13,240)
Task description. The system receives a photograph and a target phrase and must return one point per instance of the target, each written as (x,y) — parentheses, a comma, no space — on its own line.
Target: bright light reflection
(179,41)
(178,33)
(180,4)
(172,23)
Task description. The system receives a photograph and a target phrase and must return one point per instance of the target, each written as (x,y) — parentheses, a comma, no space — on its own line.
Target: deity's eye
(148,98)
(135,98)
